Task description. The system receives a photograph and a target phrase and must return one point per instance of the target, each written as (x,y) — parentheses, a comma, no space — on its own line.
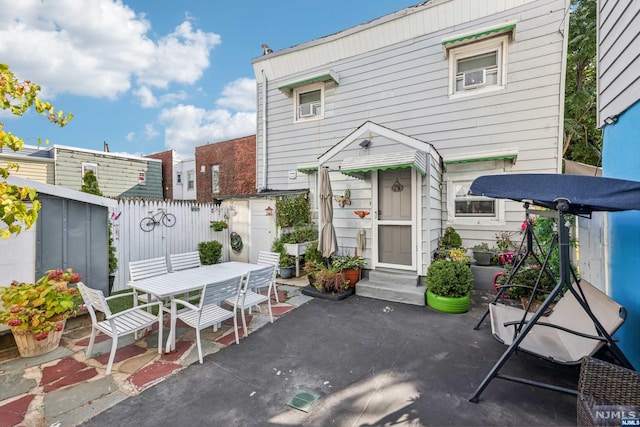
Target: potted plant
(349,266)
(330,280)
(287,264)
(483,254)
(219,225)
(449,284)
(37,312)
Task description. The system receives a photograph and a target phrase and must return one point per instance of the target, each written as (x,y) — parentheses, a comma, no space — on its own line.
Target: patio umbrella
(327,238)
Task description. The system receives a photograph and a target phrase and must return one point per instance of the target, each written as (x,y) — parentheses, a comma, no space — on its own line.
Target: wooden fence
(192,226)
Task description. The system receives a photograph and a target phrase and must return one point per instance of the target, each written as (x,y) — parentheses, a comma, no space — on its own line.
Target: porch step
(392,285)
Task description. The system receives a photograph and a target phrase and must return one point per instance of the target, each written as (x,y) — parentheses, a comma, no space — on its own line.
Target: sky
(148,76)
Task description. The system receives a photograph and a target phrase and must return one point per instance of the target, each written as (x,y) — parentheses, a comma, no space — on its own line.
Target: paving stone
(182,347)
(14,384)
(121,354)
(26,362)
(150,374)
(98,339)
(13,413)
(259,322)
(86,411)
(64,400)
(64,367)
(231,337)
(104,347)
(131,365)
(208,348)
(281,309)
(299,300)
(74,378)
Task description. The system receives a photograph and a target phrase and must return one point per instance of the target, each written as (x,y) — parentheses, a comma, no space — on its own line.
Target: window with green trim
(478,67)
(309,102)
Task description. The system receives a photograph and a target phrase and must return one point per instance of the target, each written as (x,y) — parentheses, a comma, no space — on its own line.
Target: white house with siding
(405,111)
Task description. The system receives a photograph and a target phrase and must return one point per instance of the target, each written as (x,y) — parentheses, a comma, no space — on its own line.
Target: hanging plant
(219,225)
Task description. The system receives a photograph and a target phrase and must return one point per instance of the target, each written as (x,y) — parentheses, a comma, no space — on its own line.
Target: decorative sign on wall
(345,199)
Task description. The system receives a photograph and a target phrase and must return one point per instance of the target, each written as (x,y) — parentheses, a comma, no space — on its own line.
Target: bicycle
(162,217)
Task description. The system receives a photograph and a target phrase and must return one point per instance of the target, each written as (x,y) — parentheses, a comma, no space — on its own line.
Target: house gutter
(264,130)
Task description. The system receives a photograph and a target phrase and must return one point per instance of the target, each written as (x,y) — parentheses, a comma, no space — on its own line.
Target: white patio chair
(208,312)
(271,258)
(184,261)
(145,269)
(249,297)
(119,324)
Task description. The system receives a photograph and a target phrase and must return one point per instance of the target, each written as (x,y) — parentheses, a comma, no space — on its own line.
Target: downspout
(264,130)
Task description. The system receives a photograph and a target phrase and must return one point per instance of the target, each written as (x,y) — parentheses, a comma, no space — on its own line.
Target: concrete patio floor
(370,362)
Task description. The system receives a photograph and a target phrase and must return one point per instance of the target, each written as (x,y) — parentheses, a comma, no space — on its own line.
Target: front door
(394,222)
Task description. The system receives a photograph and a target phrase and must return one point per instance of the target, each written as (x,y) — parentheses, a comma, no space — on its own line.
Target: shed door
(395,222)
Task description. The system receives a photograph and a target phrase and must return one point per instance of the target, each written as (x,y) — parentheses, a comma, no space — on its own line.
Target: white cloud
(148,100)
(130,136)
(188,127)
(96,47)
(149,131)
(239,95)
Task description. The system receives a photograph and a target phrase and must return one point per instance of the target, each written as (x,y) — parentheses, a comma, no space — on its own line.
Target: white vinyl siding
(618,57)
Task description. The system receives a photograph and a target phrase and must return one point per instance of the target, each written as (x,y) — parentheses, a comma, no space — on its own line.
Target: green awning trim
(324,76)
(381,168)
(386,161)
(482,159)
(306,169)
(504,29)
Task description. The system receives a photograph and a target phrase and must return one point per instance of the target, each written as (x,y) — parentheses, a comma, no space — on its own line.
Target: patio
(370,362)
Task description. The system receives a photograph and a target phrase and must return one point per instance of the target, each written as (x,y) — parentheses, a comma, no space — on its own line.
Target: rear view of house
(405,111)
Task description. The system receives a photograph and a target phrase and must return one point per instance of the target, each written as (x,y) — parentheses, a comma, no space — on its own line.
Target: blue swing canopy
(584,194)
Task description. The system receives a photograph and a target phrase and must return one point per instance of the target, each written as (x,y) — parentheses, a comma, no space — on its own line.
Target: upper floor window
(215,179)
(191,180)
(142,178)
(179,178)
(309,102)
(478,67)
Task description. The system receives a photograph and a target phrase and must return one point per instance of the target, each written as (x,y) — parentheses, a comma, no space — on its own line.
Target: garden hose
(236,242)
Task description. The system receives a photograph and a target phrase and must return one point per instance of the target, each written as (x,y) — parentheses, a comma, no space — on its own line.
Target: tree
(18,97)
(90,184)
(582,138)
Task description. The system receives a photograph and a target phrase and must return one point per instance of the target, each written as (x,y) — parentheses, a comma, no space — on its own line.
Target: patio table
(167,286)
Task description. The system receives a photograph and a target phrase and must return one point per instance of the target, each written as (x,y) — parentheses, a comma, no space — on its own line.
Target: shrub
(450,239)
(449,278)
(210,252)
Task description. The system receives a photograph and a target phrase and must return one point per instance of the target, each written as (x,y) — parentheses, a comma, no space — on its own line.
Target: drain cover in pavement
(303,400)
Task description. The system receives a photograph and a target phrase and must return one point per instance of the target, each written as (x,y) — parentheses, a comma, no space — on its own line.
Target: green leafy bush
(348,262)
(293,211)
(210,252)
(449,278)
(450,239)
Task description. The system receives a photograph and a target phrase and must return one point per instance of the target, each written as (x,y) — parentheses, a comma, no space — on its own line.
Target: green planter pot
(448,304)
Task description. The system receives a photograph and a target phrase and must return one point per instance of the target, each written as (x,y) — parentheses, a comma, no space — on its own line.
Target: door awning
(407,159)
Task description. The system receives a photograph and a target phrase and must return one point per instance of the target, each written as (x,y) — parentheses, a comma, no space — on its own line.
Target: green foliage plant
(210,252)
(18,97)
(451,279)
(113,260)
(450,238)
(39,307)
(330,280)
(312,254)
(292,211)
(348,262)
(219,225)
(90,184)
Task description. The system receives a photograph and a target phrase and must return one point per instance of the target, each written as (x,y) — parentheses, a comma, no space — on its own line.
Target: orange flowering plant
(40,307)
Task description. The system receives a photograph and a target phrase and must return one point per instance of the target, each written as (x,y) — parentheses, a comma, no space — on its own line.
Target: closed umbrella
(327,239)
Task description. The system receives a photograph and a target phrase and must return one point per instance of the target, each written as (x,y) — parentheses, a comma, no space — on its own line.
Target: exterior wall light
(268,211)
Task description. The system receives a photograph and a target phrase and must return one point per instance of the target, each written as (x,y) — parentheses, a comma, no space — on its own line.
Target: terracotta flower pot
(352,276)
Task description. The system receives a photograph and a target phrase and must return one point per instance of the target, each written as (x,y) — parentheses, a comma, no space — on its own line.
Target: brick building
(226,168)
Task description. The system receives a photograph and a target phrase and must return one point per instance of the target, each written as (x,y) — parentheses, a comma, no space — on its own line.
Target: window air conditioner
(473,79)
(305,110)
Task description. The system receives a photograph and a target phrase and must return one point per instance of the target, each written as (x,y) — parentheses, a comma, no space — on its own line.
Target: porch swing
(583,319)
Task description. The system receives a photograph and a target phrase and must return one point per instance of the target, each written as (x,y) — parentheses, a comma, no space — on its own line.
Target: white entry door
(394,219)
